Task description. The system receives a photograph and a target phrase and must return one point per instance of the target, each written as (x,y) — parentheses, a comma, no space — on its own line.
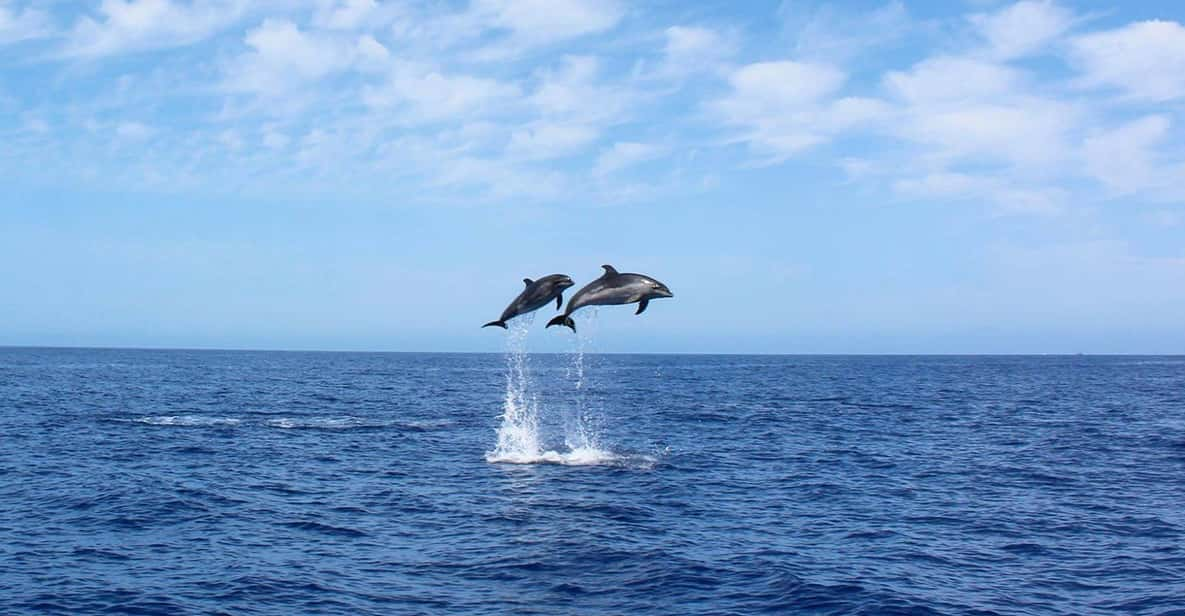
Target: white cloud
(976,132)
(689,49)
(1024,132)
(550,140)
(626,154)
(534,23)
(133,131)
(967,109)
(966,122)
(859,168)
(274,139)
(952,79)
(138,25)
(1023,28)
(765,86)
(784,107)
(372,55)
(284,57)
(576,92)
(23,24)
(36,125)
(424,94)
(231,140)
(347,14)
(828,32)
(1144,60)
(1123,158)
(499,179)
(1006,195)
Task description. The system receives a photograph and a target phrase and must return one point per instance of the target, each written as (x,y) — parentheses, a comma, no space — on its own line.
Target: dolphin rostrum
(538,294)
(611,289)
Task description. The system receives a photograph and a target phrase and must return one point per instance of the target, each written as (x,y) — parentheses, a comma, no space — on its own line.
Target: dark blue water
(174,482)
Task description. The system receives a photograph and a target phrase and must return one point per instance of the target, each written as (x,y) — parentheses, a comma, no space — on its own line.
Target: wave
(340,422)
(327,529)
(324,423)
(188,420)
(427,424)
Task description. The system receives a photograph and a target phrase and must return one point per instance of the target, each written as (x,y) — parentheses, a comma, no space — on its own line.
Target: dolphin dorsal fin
(609,271)
(528,281)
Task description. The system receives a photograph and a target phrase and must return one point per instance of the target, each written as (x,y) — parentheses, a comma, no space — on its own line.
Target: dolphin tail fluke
(564,320)
(501,324)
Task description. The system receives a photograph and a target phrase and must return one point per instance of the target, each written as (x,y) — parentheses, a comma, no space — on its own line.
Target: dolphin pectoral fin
(528,281)
(501,324)
(609,271)
(564,320)
(642,306)
(559,301)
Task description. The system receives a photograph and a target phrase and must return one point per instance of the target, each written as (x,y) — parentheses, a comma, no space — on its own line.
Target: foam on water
(336,422)
(187,420)
(585,456)
(428,424)
(324,423)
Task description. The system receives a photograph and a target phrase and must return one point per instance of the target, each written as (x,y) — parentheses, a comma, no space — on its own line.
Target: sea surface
(206,482)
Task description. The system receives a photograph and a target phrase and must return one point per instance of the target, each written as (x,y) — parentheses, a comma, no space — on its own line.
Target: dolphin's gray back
(537,295)
(610,290)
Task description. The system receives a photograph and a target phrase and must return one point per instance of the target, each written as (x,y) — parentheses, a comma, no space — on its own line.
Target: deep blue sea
(206,482)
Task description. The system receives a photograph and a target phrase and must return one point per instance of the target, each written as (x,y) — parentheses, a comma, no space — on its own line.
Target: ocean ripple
(177,482)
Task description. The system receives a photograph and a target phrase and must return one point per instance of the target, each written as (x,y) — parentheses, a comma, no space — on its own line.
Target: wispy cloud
(833,33)
(1143,61)
(529,24)
(1022,29)
(283,57)
(784,107)
(121,26)
(695,49)
(625,154)
(23,23)
(545,97)
(546,140)
(422,93)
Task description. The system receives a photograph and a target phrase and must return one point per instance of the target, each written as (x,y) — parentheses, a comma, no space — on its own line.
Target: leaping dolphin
(611,289)
(538,294)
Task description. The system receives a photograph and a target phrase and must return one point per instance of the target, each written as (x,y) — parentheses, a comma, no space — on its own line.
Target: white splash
(519,440)
(518,436)
(580,425)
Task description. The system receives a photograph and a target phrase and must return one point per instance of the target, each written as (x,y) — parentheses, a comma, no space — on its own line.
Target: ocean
(212,482)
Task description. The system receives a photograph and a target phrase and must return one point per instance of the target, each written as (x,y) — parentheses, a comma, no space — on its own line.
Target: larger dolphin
(538,294)
(612,289)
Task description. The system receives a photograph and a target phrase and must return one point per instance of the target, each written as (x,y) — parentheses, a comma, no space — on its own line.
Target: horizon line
(377,352)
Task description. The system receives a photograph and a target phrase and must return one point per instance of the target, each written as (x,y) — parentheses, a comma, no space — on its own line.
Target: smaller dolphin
(538,294)
(611,289)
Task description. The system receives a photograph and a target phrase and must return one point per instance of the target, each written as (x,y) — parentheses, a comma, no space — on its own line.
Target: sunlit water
(173,482)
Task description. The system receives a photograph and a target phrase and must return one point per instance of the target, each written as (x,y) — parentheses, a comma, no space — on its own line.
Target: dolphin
(611,289)
(538,294)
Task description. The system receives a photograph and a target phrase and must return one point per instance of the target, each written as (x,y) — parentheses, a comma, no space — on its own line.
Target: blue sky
(862,177)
